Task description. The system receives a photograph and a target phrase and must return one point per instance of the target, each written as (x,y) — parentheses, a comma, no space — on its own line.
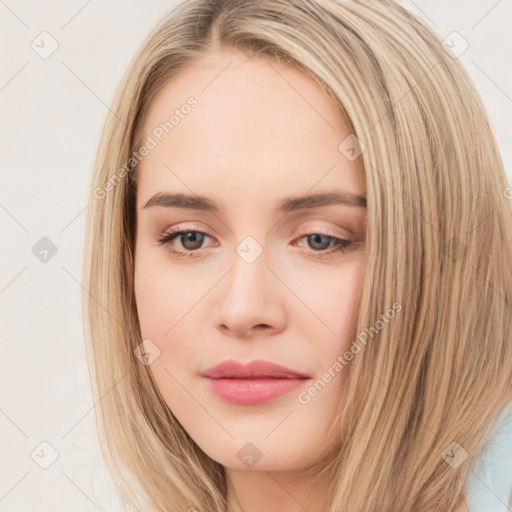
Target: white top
(489,488)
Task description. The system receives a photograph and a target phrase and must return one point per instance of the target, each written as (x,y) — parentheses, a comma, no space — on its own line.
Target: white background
(52,111)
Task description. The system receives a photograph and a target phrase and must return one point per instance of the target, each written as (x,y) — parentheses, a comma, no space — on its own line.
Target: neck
(283,491)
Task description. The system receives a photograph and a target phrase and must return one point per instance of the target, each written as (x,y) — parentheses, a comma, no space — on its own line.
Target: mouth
(254,383)
(253,391)
(259,377)
(258,369)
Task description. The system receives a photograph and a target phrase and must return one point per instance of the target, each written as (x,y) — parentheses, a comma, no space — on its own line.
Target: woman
(297,265)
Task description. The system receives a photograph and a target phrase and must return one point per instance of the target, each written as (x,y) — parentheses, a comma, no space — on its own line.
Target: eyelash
(170,235)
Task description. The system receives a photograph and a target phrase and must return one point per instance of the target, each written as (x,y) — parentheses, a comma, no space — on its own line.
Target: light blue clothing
(489,488)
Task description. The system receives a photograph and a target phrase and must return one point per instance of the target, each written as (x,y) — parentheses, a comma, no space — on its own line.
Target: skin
(261,132)
(461,506)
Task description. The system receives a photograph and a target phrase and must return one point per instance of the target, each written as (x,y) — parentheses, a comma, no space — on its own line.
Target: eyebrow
(292,203)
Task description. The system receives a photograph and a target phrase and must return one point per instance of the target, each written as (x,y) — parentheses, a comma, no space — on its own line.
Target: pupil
(194,238)
(316,239)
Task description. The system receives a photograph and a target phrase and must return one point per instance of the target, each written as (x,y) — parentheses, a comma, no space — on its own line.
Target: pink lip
(254,383)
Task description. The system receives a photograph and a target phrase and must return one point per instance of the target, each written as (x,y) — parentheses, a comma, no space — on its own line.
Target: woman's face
(250,280)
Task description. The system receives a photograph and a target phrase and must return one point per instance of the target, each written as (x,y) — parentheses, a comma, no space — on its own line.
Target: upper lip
(259,368)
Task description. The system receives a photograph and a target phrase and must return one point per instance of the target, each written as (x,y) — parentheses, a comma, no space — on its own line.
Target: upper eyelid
(307,230)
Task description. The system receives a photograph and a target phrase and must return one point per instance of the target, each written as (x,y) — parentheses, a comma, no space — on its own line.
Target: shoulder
(489,488)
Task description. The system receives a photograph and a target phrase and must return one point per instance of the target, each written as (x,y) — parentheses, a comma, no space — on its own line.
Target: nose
(250,300)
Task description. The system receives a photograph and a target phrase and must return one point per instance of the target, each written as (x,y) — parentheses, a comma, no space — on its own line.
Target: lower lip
(255,391)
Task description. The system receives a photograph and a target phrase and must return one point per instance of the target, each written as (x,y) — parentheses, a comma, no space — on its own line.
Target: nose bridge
(248,297)
(248,278)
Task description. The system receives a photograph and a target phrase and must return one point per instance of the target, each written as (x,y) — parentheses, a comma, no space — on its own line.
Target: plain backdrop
(52,110)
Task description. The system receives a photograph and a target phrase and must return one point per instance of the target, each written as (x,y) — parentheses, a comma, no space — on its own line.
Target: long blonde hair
(438,242)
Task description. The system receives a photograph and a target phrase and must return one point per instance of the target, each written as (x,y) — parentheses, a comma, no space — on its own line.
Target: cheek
(162,294)
(169,315)
(164,313)
(333,295)
(150,298)
(347,298)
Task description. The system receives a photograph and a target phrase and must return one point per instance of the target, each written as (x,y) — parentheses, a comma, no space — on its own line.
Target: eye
(192,240)
(318,242)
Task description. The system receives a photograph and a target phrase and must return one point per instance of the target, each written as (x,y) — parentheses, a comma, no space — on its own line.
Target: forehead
(256,125)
